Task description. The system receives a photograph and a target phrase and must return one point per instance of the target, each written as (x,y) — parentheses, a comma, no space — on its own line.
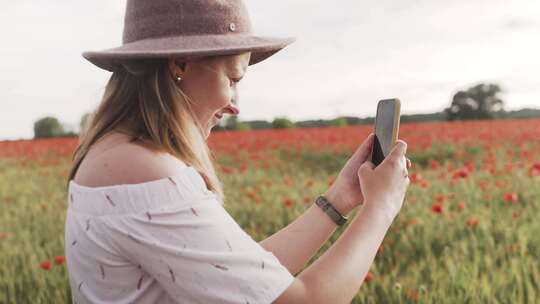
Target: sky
(347,56)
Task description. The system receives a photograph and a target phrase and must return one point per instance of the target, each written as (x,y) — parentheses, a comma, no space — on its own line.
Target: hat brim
(187,47)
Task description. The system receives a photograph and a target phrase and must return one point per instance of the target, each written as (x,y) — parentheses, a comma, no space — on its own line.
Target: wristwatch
(327,207)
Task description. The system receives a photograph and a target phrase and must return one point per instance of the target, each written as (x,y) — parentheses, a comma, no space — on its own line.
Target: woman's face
(210,84)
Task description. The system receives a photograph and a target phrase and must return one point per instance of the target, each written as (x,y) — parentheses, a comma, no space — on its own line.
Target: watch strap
(327,207)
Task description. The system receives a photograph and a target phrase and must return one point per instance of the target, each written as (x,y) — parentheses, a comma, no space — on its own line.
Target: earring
(178,78)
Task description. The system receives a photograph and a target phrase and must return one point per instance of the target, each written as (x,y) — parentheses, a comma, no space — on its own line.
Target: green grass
(438,260)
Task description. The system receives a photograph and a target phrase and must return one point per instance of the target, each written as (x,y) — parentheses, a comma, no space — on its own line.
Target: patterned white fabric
(164,241)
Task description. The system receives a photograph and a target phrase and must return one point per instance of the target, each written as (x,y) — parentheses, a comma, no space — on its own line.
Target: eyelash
(237,79)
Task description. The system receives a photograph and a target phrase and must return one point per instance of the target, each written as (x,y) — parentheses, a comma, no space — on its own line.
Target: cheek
(203,93)
(221,95)
(209,96)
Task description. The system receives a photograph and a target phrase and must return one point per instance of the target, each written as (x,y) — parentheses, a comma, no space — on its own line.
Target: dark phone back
(386,129)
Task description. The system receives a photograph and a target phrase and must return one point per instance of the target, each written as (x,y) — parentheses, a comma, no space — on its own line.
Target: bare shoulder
(115,161)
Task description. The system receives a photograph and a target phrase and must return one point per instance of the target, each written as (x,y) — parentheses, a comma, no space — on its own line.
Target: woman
(146,223)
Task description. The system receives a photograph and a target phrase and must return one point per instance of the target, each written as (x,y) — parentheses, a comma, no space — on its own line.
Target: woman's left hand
(345,193)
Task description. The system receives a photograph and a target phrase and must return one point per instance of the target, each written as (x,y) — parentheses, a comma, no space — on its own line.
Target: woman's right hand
(384,186)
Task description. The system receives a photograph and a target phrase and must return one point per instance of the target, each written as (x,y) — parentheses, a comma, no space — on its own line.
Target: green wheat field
(468,232)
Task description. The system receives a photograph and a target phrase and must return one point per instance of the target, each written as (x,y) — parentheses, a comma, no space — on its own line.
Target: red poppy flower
(288,202)
(369,277)
(437,208)
(461,205)
(413,221)
(461,173)
(251,194)
(472,222)
(227,170)
(46,265)
(415,177)
(534,170)
(511,197)
(440,198)
(59,259)
(433,164)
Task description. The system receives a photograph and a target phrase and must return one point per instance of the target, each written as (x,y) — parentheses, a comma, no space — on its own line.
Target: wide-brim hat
(186,29)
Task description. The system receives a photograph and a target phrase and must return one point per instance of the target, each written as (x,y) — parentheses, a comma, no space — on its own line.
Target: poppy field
(468,231)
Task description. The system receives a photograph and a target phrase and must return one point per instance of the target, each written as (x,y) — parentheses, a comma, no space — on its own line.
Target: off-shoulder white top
(164,241)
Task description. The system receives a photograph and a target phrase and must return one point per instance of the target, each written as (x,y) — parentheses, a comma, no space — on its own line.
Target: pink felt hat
(186,29)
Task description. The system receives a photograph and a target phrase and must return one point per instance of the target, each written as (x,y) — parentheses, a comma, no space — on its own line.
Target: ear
(177,67)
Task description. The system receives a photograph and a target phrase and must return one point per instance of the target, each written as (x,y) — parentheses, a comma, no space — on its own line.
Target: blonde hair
(143,101)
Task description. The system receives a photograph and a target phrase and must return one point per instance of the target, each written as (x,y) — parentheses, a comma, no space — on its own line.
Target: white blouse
(164,241)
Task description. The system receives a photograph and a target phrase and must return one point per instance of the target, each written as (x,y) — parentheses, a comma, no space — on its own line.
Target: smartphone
(386,129)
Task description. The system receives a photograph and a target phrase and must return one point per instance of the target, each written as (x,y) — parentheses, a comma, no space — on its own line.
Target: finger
(364,150)
(398,151)
(366,146)
(366,167)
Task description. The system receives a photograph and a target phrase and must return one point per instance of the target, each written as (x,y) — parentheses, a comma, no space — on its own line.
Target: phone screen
(386,128)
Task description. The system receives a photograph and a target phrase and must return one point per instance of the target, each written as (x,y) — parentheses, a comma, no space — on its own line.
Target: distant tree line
(481,101)
(49,126)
